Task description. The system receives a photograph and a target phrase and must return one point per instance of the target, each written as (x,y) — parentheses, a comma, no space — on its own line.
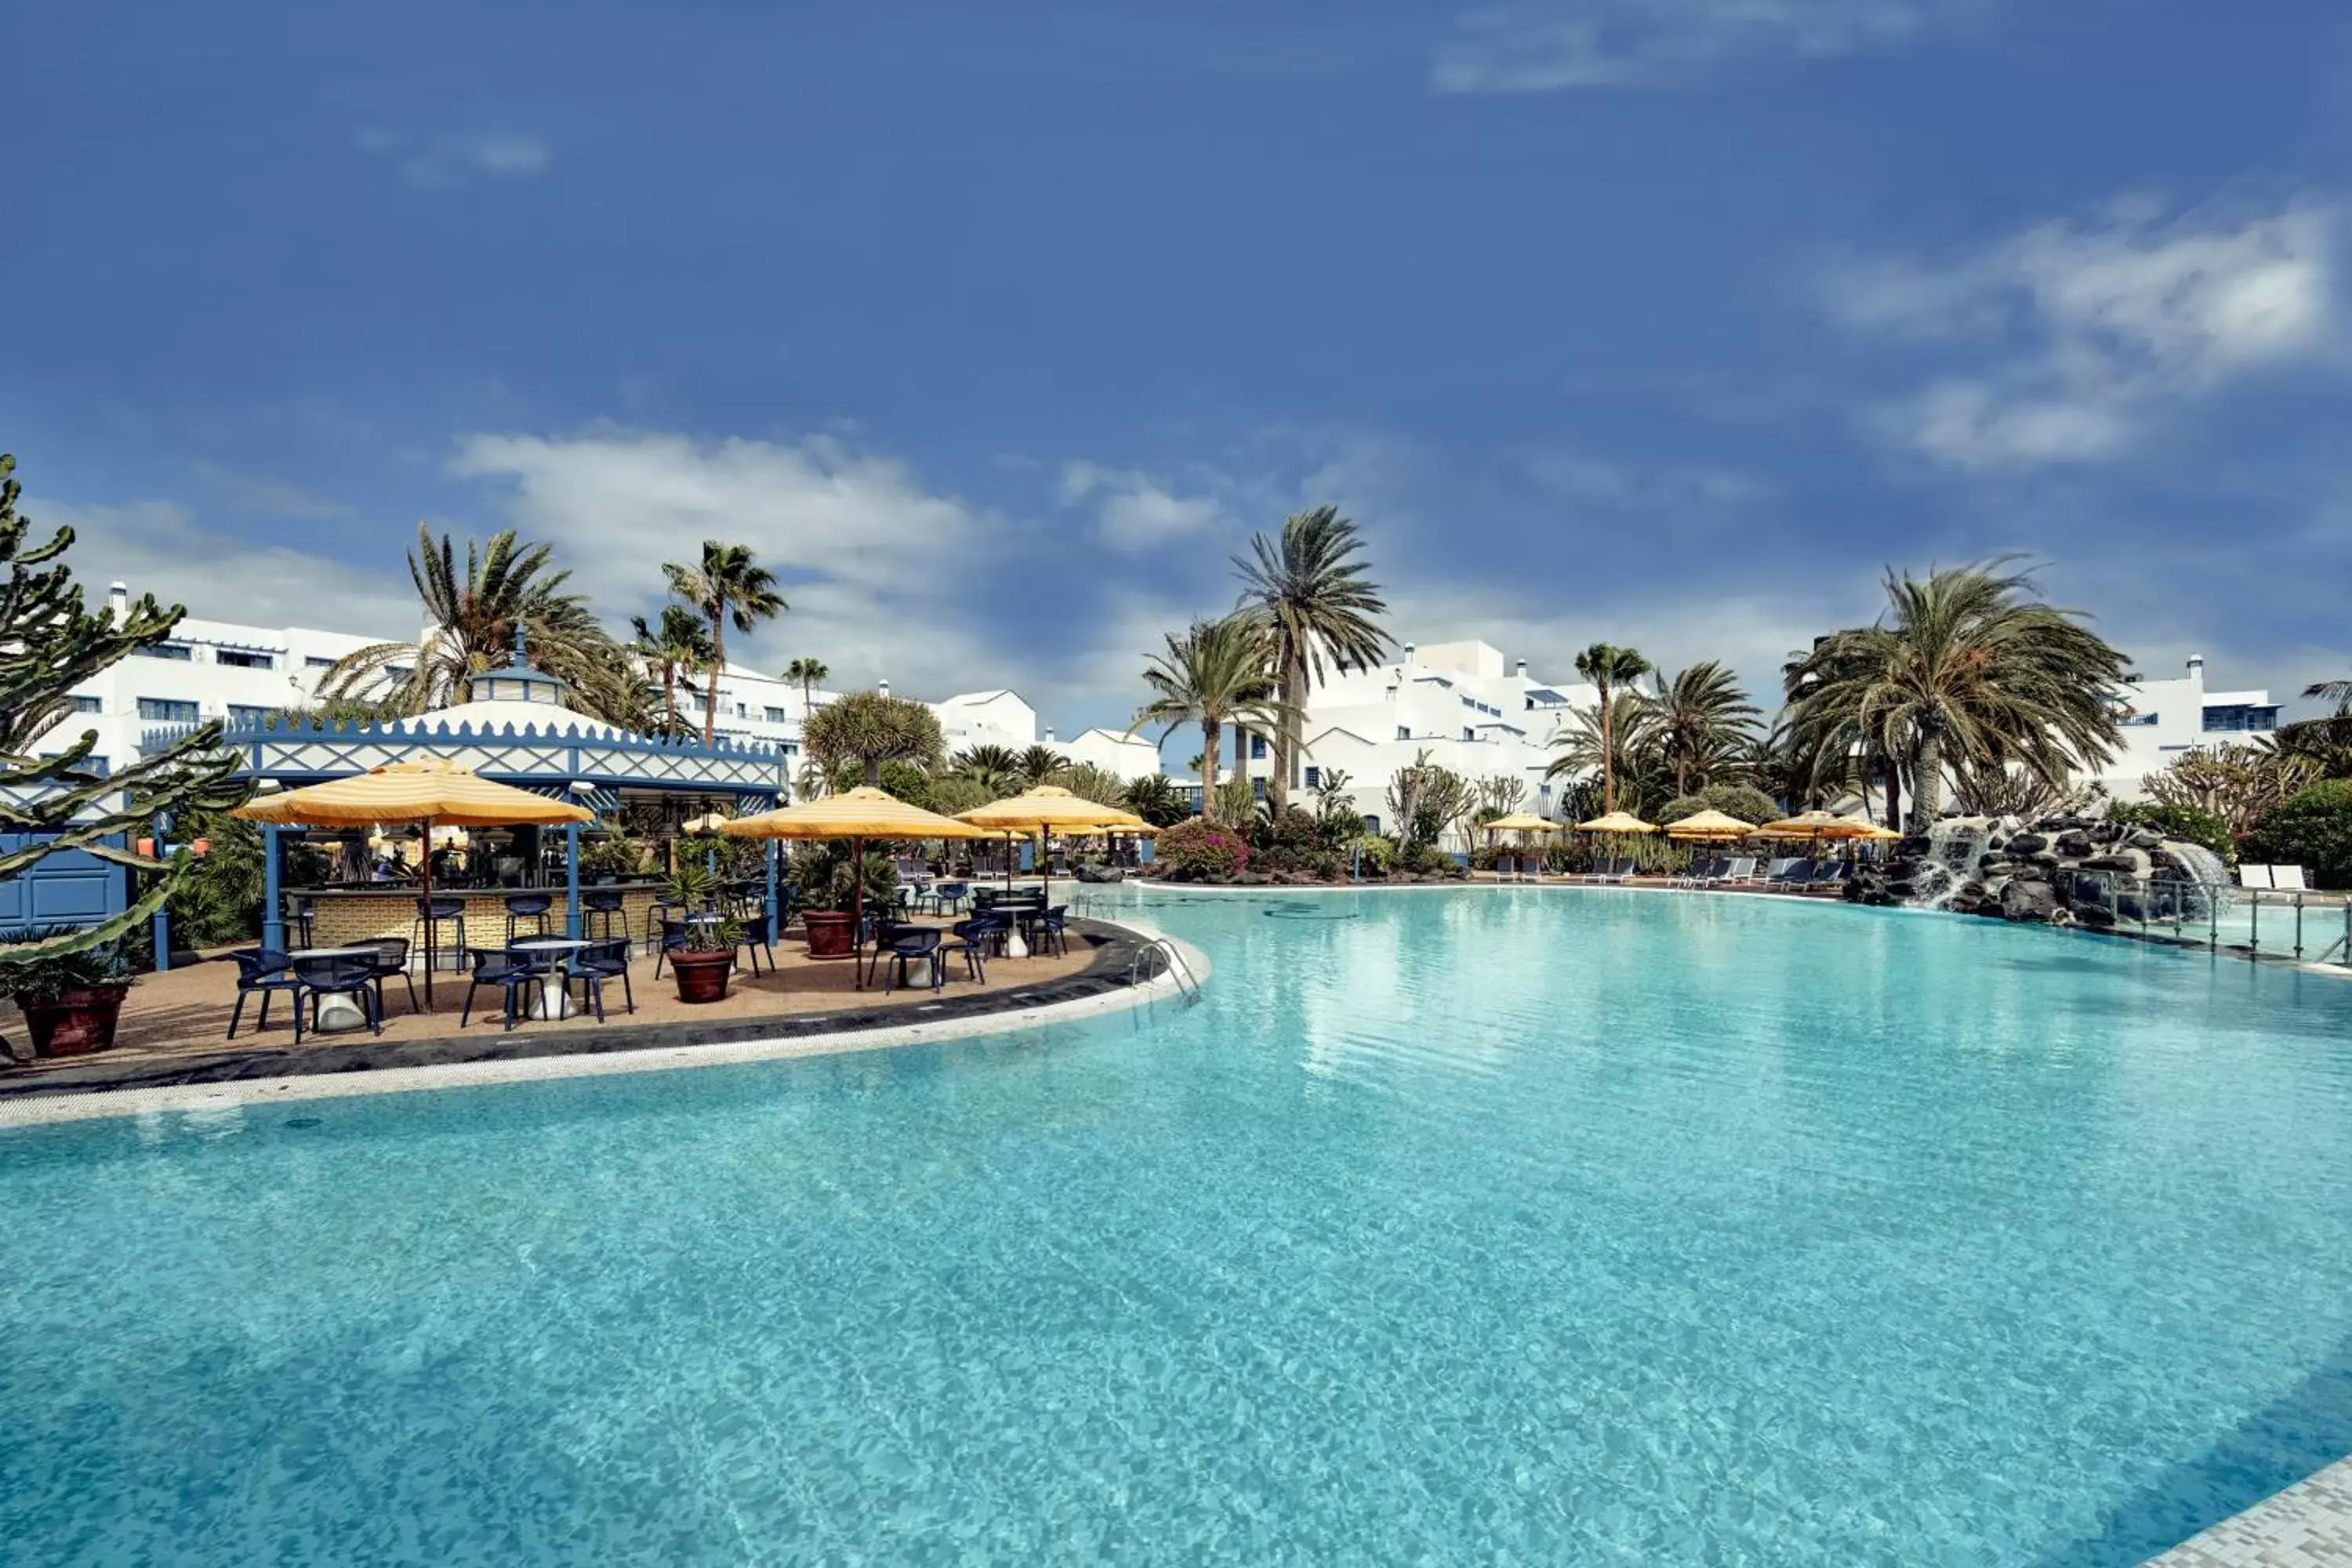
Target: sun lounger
(1700,872)
(1829,874)
(2288,879)
(1791,874)
(1741,869)
(1610,872)
(2257,876)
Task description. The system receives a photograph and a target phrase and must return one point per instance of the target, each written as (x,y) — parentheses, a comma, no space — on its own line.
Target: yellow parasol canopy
(1617,821)
(1709,823)
(1052,807)
(861,813)
(1808,825)
(1857,826)
(412,791)
(1520,822)
(709,822)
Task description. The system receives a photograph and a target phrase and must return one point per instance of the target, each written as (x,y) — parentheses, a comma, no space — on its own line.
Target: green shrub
(2189,824)
(1199,851)
(1373,853)
(2314,830)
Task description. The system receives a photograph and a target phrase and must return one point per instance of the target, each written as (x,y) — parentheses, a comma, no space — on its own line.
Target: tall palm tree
(1310,597)
(1038,764)
(807,672)
(730,587)
(1703,721)
(1607,666)
(679,644)
(1968,667)
(1618,742)
(472,614)
(1214,675)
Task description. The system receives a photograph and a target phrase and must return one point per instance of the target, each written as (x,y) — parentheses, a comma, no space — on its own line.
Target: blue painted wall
(70,889)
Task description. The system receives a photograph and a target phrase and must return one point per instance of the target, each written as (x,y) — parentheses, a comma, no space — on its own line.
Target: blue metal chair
(1050,926)
(531,907)
(600,961)
(448,916)
(909,944)
(352,974)
(599,907)
(948,897)
(970,938)
(264,971)
(392,959)
(511,973)
(674,933)
(657,920)
(756,936)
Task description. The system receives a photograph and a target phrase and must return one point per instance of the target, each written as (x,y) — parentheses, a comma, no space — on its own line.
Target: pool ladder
(1172,962)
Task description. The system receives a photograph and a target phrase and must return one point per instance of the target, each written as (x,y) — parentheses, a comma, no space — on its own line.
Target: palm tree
(730,587)
(1607,666)
(870,728)
(1154,799)
(807,672)
(1214,675)
(1965,670)
(1703,721)
(1618,742)
(1310,597)
(1038,764)
(998,767)
(472,616)
(679,644)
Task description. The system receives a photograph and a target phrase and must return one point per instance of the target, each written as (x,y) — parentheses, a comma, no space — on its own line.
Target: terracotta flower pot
(701,976)
(75,1023)
(831,933)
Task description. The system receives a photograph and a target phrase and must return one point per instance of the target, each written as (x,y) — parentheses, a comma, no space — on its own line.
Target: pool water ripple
(1477,1225)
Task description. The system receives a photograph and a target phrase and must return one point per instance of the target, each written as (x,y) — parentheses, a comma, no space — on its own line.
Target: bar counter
(342,916)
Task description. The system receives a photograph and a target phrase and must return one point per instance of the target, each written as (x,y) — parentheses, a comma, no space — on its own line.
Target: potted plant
(71,1004)
(614,859)
(703,964)
(830,921)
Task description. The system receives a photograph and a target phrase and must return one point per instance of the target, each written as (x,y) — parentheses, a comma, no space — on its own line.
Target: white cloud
(1596,481)
(159,548)
(1136,512)
(268,496)
(2088,328)
(434,161)
(1546,46)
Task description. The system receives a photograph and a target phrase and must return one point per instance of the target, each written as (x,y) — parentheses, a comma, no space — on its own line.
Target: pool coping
(2307,1525)
(102,1088)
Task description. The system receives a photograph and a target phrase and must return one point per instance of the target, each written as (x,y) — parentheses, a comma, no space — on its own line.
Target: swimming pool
(1563,1226)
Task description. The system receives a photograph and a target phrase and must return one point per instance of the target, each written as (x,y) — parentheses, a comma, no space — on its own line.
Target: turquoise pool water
(1537,1226)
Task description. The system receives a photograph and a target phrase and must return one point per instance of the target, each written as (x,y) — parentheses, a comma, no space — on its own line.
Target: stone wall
(2058,871)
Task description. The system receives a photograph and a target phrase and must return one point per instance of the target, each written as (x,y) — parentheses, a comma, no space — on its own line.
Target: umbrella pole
(857,911)
(427,825)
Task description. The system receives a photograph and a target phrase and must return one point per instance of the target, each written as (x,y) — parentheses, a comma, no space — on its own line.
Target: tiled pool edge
(1104,993)
(2308,1525)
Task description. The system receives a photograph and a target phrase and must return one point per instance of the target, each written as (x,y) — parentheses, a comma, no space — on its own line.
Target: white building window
(244,659)
(166,711)
(178,650)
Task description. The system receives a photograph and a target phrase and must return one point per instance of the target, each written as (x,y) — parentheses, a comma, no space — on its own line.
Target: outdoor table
(563,947)
(336,1014)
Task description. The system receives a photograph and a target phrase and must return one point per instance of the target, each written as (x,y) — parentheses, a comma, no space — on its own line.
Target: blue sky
(998,329)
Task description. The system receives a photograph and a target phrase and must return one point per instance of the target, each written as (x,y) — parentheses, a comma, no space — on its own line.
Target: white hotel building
(1458,701)
(2163,719)
(237,674)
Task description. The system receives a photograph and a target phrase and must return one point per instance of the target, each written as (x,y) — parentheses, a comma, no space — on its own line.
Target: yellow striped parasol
(427,790)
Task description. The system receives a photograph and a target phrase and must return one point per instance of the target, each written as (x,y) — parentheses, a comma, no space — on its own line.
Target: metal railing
(2306,926)
(1172,962)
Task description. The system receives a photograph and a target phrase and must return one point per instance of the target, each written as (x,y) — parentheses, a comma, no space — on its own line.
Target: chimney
(1408,653)
(1521,671)
(1049,735)
(118,599)
(2197,665)
(884,687)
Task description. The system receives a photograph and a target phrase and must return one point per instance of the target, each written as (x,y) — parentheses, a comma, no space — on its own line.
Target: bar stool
(448,914)
(598,907)
(531,907)
(300,922)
